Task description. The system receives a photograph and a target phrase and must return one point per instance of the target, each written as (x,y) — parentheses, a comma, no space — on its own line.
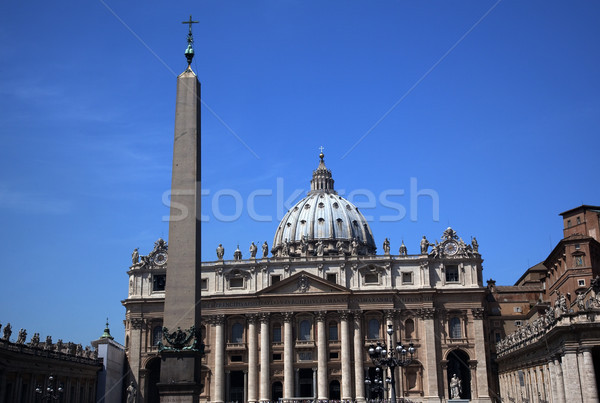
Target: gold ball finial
(321,156)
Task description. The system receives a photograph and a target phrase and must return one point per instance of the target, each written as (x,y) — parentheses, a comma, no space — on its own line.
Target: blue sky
(494,106)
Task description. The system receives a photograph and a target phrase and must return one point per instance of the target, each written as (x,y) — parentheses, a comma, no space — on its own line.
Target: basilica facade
(296,321)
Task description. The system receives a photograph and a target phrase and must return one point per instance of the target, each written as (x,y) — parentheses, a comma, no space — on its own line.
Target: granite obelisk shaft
(180,370)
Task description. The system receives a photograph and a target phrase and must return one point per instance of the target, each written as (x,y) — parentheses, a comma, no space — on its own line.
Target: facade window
(236,358)
(409,329)
(159,281)
(204,284)
(518,323)
(373,329)
(371,278)
(236,282)
(578,220)
(305,330)
(334,356)
(407,278)
(517,309)
(332,278)
(579,261)
(452,273)
(577,246)
(275,279)
(333,331)
(276,333)
(237,333)
(581,283)
(277,357)
(568,223)
(455,330)
(157,334)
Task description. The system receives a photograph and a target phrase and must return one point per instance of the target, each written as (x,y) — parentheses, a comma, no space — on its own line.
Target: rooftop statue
(135,257)
(22,336)
(386,246)
(424,245)
(320,248)
(7,332)
(253,250)
(475,245)
(354,247)
(35,340)
(220,252)
(265,250)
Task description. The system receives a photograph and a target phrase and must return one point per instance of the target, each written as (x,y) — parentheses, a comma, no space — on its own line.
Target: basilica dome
(323,223)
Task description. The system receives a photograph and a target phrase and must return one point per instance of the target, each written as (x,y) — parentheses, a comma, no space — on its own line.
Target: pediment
(303,283)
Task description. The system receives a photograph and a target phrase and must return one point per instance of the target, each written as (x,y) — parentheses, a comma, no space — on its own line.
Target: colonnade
(570,374)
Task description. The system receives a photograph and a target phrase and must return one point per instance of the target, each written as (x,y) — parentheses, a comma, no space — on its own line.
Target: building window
(236,282)
(237,333)
(452,273)
(371,278)
(204,284)
(157,334)
(159,282)
(305,330)
(276,333)
(518,323)
(275,279)
(577,246)
(333,356)
(578,220)
(333,331)
(373,329)
(277,357)
(517,309)
(568,223)
(236,358)
(332,278)
(305,356)
(581,283)
(409,329)
(407,278)
(455,330)
(579,261)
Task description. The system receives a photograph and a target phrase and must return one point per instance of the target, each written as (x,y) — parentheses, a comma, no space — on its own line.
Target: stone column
(288,356)
(314,383)
(219,324)
(321,357)
(431,359)
(479,342)
(245,385)
(359,348)
(265,348)
(252,360)
(560,383)
(588,376)
(573,386)
(346,366)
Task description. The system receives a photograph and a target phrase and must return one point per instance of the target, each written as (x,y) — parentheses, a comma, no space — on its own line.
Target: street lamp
(376,385)
(398,356)
(52,391)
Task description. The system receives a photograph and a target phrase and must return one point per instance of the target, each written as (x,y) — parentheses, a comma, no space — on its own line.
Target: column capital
(426,313)
(389,314)
(320,315)
(288,316)
(478,313)
(358,314)
(344,314)
(252,317)
(217,320)
(264,317)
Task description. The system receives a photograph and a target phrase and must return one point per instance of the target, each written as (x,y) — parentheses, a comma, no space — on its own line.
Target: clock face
(451,248)
(160,258)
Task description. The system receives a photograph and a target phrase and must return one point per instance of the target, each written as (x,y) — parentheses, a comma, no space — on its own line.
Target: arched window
(276,333)
(333,331)
(305,330)
(409,329)
(157,335)
(237,333)
(373,329)
(455,331)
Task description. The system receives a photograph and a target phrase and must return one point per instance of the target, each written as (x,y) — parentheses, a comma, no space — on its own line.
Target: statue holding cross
(189,52)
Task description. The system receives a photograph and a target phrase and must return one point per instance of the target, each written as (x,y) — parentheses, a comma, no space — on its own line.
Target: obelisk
(180,362)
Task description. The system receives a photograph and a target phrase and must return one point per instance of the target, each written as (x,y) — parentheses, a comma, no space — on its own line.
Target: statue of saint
(475,245)
(354,247)
(455,387)
(131,393)
(253,250)
(35,340)
(7,332)
(21,337)
(320,248)
(580,303)
(303,244)
(403,250)
(286,248)
(220,252)
(386,246)
(340,247)
(265,249)
(424,245)
(135,256)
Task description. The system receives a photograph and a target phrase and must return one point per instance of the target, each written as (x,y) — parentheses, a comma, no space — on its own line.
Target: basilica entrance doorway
(276,391)
(305,380)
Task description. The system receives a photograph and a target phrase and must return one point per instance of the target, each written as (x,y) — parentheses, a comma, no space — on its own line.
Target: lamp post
(53,391)
(397,356)
(376,384)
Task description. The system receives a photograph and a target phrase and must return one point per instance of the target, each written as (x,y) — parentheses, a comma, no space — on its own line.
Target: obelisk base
(183,383)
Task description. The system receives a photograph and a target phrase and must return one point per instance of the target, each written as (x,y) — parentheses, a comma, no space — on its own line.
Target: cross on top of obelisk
(189,52)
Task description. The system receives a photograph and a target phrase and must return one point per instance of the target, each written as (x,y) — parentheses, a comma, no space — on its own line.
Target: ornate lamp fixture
(53,391)
(398,356)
